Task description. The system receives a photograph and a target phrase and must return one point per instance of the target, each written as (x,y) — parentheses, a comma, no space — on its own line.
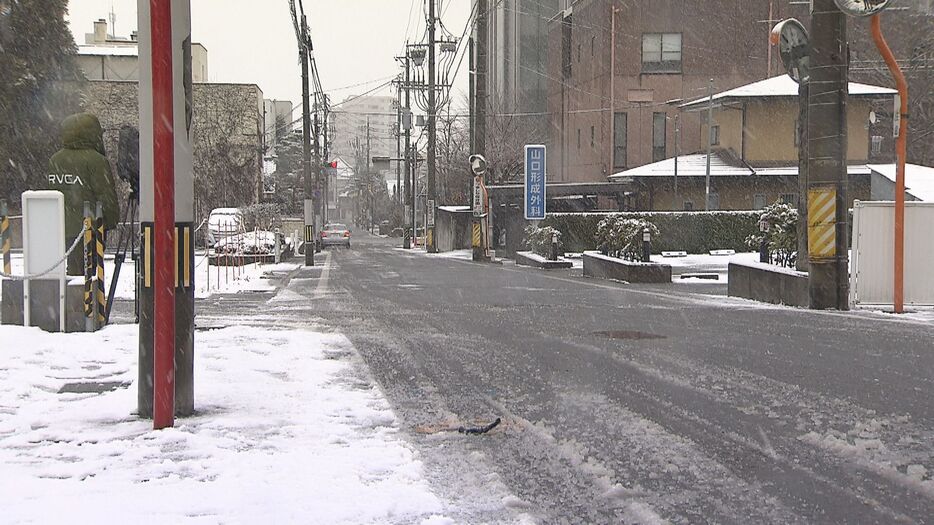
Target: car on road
(335,234)
(224,223)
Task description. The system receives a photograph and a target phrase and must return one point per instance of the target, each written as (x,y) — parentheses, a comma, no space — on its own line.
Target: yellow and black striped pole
(88,268)
(101,296)
(5,240)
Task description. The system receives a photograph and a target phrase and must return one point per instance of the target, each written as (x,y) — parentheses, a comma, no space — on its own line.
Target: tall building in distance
(279,120)
(348,128)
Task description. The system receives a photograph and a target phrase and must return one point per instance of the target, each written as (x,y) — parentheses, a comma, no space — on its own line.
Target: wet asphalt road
(624,404)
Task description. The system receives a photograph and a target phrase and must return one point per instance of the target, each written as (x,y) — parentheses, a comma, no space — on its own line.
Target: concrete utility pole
(166,209)
(432,129)
(319,206)
(306,147)
(827,168)
(709,144)
(398,195)
(482,67)
(801,264)
(409,172)
(369,177)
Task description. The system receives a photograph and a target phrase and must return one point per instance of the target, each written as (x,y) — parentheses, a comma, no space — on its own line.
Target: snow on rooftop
(113,51)
(782,86)
(919,180)
(696,166)
(688,166)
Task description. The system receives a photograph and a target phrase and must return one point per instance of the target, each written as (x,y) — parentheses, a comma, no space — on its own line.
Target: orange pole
(901,150)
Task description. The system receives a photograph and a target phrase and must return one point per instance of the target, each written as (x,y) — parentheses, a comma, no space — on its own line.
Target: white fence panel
(872,275)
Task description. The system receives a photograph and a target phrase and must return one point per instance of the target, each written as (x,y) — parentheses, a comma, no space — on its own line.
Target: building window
(715,135)
(688,205)
(876,148)
(593,137)
(758,201)
(619,140)
(714,201)
(790,198)
(659,136)
(661,53)
(566,47)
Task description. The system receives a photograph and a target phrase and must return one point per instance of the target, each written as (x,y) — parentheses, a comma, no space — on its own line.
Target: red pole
(901,149)
(164,215)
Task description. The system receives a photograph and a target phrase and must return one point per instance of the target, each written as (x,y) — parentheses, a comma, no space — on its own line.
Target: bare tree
(506,137)
(453,151)
(226,158)
(915,55)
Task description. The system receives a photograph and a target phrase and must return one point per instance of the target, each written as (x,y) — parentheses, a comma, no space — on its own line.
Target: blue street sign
(535,167)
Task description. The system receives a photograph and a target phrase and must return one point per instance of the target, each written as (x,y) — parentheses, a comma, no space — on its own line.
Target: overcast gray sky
(253,41)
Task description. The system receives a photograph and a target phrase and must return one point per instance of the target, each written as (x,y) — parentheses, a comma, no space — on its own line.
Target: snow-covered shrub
(782,220)
(538,240)
(621,236)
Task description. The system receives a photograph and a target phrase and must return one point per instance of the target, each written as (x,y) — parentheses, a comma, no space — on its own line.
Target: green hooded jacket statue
(82,173)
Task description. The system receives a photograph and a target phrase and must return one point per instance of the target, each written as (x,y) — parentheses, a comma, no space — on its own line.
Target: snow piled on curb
(287,432)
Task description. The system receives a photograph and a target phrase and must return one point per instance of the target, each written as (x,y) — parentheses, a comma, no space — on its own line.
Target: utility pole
(709,144)
(409,172)
(483,46)
(827,168)
(327,155)
(369,177)
(801,263)
(432,129)
(317,160)
(306,145)
(398,195)
(676,206)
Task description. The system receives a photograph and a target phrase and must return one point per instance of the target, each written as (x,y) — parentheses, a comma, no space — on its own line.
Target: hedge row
(693,232)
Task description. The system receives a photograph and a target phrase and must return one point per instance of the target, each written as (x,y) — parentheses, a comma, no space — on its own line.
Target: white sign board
(477,197)
(431,213)
(872,279)
(44,244)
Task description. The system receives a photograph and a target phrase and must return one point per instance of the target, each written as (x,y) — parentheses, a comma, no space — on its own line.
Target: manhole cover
(629,335)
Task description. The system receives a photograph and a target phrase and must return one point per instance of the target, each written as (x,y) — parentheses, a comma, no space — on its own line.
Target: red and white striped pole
(164,215)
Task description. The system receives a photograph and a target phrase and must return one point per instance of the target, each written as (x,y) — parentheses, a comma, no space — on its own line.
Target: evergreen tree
(39,87)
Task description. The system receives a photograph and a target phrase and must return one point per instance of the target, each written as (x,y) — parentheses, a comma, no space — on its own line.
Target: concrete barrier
(768,284)
(604,267)
(537,261)
(44,292)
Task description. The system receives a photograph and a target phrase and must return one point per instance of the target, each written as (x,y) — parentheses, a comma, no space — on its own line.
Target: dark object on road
(479,430)
(629,335)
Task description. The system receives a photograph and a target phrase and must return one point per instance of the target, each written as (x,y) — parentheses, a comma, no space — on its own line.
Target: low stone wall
(768,284)
(43,293)
(604,267)
(537,261)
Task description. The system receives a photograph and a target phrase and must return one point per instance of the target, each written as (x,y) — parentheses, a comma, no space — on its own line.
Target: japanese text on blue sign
(535,164)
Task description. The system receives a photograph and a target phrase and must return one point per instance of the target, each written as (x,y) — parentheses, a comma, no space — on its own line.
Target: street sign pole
(166,334)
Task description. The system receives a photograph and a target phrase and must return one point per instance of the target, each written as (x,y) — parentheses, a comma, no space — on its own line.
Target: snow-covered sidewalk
(288,431)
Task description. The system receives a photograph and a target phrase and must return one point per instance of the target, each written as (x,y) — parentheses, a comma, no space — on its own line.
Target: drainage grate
(628,335)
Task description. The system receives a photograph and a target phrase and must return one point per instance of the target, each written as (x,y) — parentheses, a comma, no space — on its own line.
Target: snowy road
(640,405)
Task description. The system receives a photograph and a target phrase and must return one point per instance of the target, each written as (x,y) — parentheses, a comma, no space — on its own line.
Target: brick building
(610,110)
